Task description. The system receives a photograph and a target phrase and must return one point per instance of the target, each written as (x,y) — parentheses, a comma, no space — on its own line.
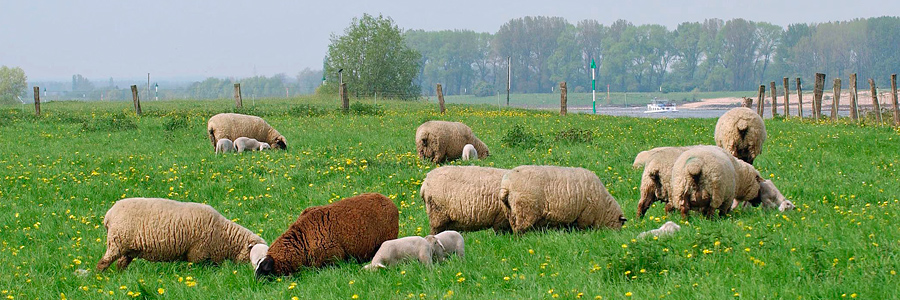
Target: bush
(110,122)
(359,108)
(575,135)
(518,137)
(176,121)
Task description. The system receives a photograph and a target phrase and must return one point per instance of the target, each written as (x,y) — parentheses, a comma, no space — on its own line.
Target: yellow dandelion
(160,291)
(628,294)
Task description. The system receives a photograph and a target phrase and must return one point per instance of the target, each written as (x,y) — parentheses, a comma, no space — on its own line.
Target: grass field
(584,99)
(60,173)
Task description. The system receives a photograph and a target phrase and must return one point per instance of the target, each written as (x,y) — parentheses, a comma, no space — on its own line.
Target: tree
(13,83)
(529,42)
(374,58)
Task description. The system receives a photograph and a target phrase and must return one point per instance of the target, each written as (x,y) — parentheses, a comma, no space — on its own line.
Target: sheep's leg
(123,262)
(112,254)
(648,196)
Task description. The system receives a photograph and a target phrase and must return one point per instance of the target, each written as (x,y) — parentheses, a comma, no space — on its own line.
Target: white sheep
(469,152)
(703,178)
(464,198)
(550,196)
(452,243)
(224,145)
(655,180)
(158,229)
(247,144)
(668,228)
(232,126)
(391,252)
(264,146)
(440,141)
(741,132)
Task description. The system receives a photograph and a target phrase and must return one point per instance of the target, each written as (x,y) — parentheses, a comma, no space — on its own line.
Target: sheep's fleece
(441,141)
(224,145)
(703,178)
(668,228)
(464,198)
(232,126)
(655,180)
(451,242)
(425,250)
(741,132)
(550,196)
(354,227)
(158,229)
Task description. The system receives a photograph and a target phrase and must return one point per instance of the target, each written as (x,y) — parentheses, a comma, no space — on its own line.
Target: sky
(192,40)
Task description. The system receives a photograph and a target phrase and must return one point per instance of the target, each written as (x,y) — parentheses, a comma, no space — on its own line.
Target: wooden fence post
(238,102)
(836,104)
(345,98)
(37,101)
(894,99)
(440,94)
(761,97)
(135,97)
(787,98)
(877,106)
(774,99)
(799,98)
(563,98)
(854,98)
(818,91)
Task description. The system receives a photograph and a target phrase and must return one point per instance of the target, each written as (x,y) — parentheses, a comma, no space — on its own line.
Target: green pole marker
(593,87)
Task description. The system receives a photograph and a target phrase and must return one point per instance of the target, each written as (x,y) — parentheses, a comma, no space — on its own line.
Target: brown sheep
(353,228)
(232,126)
(441,141)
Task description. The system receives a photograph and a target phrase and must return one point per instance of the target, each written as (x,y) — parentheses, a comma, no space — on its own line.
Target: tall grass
(58,177)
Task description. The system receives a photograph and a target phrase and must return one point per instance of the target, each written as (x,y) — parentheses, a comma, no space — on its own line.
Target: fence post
(799,98)
(440,95)
(563,98)
(37,101)
(761,97)
(894,99)
(135,98)
(787,98)
(238,102)
(774,99)
(836,104)
(345,98)
(818,91)
(877,106)
(854,98)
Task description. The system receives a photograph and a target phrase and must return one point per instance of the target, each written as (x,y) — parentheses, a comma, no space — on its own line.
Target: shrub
(109,122)
(518,137)
(359,108)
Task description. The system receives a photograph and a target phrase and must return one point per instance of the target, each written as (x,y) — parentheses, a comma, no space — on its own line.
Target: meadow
(60,173)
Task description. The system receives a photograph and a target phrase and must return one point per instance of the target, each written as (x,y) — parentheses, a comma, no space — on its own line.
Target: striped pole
(593,87)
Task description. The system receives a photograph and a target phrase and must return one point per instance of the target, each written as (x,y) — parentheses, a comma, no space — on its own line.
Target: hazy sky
(179,39)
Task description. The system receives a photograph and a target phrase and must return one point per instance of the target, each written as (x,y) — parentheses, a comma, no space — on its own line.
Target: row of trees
(711,55)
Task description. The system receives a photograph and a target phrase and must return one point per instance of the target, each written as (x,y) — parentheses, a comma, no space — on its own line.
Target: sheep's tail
(693,166)
(504,197)
(742,126)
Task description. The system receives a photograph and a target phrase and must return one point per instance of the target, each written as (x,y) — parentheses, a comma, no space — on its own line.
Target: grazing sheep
(247,144)
(469,152)
(752,189)
(224,145)
(440,141)
(655,181)
(464,198)
(666,229)
(741,132)
(232,126)
(703,178)
(165,230)
(394,251)
(353,228)
(452,243)
(549,196)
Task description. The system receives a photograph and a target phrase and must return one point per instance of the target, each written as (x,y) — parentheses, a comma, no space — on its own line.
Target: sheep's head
(786,205)
(264,146)
(437,248)
(279,143)
(257,254)
(770,195)
(266,267)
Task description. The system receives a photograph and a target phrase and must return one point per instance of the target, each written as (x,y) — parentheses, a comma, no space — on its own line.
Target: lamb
(353,228)
(247,144)
(549,196)
(464,198)
(264,146)
(394,251)
(440,141)
(741,132)
(451,243)
(232,126)
(469,152)
(158,229)
(668,228)
(655,181)
(703,178)
(224,145)
(752,189)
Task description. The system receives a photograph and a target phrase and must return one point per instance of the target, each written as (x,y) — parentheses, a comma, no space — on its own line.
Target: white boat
(660,105)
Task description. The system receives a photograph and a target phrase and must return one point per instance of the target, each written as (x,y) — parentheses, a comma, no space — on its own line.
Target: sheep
(264,146)
(224,145)
(394,251)
(752,189)
(741,132)
(703,178)
(440,141)
(469,152)
(257,253)
(354,228)
(464,198)
(158,229)
(247,144)
(655,185)
(549,196)
(451,242)
(232,126)
(666,229)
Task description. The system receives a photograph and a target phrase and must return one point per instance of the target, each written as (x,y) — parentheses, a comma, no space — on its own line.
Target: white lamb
(469,152)
(397,250)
